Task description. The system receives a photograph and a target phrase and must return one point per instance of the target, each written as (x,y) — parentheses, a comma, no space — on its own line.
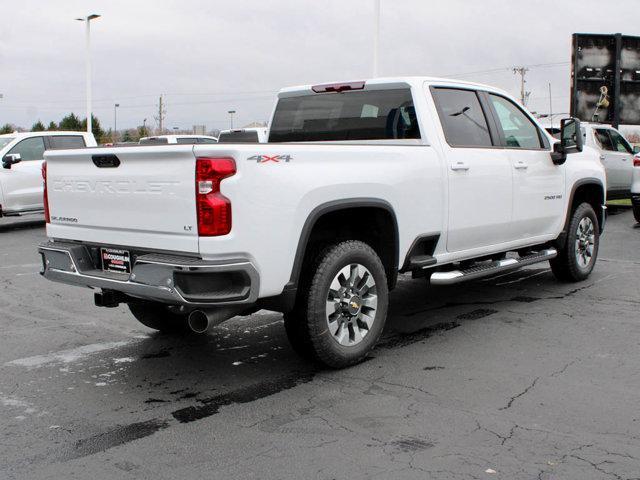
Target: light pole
(87,21)
(115,122)
(376,36)
(231,112)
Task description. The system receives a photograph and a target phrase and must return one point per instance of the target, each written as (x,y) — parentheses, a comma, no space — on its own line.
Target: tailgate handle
(106,161)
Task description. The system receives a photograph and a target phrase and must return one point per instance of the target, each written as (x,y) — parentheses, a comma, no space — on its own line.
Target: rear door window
(30,149)
(350,115)
(463,119)
(59,142)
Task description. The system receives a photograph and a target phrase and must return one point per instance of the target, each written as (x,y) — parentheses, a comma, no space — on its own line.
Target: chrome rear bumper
(168,278)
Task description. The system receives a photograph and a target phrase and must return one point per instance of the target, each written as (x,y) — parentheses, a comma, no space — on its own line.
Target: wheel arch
(314,219)
(593,192)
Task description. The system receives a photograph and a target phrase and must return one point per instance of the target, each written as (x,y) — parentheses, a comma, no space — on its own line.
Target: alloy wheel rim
(352,302)
(585,242)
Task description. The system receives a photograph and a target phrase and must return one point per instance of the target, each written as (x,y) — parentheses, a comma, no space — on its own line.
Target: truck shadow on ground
(9,224)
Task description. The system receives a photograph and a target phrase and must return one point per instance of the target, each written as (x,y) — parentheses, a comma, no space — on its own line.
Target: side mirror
(571,140)
(11,159)
(636,149)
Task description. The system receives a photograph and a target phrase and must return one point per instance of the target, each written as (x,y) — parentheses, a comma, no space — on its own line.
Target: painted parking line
(67,356)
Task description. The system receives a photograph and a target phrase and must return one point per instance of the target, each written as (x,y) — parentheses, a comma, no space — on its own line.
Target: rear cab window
(239,136)
(350,115)
(154,141)
(186,140)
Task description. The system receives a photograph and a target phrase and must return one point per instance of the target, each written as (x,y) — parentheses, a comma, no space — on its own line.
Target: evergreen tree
(127,136)
(6,128)
(96,129)
(38,127)
(71,123)
(52,126)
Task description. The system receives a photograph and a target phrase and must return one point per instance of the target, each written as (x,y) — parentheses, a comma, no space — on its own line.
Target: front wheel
(344,309)
(575,261)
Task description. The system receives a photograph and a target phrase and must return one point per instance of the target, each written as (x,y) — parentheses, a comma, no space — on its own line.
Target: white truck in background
(22,154)
(359,181)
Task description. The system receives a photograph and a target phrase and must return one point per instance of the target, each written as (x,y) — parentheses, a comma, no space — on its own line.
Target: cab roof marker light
(338,87)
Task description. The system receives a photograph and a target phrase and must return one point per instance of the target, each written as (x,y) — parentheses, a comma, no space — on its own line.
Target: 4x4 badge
(270,158)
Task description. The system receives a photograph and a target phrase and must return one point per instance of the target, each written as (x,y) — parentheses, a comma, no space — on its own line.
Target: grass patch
(620,203)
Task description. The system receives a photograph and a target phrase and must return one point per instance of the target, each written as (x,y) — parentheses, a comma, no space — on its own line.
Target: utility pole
(161,114)
(115,122)
(524,96)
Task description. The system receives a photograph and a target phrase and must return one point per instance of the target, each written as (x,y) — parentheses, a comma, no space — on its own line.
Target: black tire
(308,326)
(158,317)
(636,212)
(566,266)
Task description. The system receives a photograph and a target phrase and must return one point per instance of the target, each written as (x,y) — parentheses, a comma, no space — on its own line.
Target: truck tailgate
(134,196)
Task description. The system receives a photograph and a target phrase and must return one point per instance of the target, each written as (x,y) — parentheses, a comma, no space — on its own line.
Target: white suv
(22,155)
(616,155)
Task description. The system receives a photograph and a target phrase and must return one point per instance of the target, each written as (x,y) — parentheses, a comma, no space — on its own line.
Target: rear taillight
(214,209)
(636,161)
(45,195)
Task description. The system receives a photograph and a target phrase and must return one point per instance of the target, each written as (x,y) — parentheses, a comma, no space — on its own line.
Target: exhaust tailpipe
(200,321)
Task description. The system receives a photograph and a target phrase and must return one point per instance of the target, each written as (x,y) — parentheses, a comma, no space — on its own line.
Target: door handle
(521,165)
(602,157)
(460,166)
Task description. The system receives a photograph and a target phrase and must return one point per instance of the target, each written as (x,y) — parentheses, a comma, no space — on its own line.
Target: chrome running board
(485,270)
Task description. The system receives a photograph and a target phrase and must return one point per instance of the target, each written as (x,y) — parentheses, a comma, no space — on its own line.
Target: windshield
(4,141)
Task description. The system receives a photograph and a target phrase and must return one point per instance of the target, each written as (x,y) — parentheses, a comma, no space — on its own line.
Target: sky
(209,57)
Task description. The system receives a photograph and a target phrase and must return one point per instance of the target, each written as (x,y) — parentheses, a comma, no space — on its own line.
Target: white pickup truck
(359,181)
(21,155)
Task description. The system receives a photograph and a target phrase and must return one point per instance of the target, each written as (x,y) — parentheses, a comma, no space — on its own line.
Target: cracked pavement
(513,377)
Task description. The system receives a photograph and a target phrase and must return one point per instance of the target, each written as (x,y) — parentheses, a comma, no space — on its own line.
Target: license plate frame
(115,260)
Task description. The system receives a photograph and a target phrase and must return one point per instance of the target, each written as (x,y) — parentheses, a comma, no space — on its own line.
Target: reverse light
(45,195)
(213,208)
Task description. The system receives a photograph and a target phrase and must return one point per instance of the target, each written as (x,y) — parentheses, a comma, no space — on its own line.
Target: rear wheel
(344,308)
(576,260)
(158,317)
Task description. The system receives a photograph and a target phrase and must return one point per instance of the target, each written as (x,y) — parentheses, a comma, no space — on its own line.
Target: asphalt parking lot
(515,377)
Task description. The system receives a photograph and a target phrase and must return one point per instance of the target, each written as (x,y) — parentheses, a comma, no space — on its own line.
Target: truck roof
(43,133)
(390,82)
